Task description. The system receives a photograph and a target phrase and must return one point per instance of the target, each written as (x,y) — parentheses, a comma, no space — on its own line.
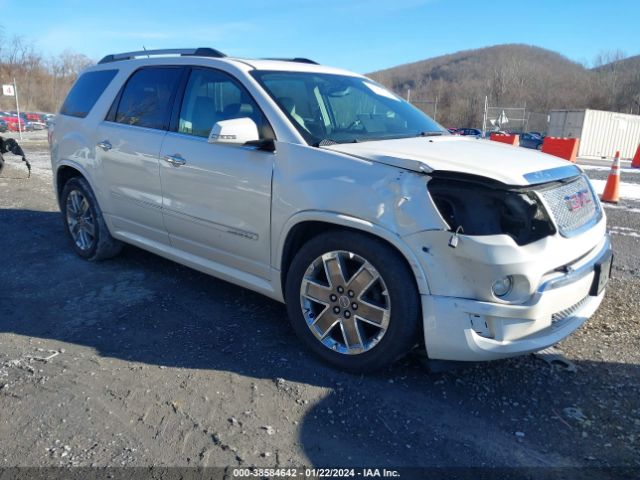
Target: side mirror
(237,131)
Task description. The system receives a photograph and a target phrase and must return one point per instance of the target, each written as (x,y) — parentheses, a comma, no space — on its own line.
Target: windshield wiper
(430,134)
(328,141)
(399,137)
(378,139)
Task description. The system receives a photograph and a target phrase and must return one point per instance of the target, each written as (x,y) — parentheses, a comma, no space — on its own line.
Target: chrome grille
(558,319)
(572,205)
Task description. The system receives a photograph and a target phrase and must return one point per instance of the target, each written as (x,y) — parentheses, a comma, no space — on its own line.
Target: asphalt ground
(138,361)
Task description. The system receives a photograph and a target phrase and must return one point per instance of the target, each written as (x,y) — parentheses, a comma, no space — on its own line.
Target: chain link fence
(495,118)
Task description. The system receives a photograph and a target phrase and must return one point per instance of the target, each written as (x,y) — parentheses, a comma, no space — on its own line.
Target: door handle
(105,145)
(175,160)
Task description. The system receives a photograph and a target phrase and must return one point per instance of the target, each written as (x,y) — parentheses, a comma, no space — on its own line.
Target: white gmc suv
(320,188)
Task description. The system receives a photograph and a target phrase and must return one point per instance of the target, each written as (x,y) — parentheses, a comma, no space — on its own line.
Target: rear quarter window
(85,92)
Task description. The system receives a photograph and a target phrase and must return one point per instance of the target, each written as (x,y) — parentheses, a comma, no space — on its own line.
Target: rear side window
(85,92)
(148,96)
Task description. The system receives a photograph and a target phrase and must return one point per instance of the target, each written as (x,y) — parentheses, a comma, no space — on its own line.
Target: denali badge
(578,200)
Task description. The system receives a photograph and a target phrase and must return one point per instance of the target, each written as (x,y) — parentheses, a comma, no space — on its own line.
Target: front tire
(84,223)
(352,300)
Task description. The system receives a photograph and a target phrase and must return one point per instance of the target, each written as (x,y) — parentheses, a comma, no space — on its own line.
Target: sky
(358,35)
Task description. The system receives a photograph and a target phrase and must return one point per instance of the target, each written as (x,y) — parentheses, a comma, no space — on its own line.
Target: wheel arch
(65,172)
(305,225)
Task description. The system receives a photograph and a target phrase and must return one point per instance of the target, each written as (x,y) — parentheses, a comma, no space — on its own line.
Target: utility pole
(484,117)
(15,90)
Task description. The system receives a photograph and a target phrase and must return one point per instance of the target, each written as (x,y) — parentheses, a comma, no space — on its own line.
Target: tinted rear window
(147,97)
(85,93)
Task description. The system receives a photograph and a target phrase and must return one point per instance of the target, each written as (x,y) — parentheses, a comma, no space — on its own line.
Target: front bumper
(473,330)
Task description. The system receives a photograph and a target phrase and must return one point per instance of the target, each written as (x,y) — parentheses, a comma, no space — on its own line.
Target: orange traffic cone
(636,159)
(611,192)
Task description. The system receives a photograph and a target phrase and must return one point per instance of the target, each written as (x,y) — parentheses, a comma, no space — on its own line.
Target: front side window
(147,97)
(212,96)
(342,109)
(85,92)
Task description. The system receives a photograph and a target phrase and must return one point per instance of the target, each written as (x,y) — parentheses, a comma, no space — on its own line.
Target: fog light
(502,286)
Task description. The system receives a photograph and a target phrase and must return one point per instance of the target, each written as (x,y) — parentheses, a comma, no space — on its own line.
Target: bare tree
(42,84)
(511,75)
(515,75)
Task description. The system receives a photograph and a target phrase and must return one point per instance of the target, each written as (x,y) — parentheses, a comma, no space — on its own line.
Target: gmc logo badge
(578,200)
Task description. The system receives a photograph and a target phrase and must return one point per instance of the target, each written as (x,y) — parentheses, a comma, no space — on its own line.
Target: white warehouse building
(601,133)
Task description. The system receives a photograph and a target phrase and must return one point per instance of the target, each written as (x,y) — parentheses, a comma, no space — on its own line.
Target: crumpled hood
(504,163)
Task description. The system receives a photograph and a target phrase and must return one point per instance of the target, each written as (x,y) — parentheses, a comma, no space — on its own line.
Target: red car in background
(13,123)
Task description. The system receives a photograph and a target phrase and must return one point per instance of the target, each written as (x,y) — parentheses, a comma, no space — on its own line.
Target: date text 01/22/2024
(315,472)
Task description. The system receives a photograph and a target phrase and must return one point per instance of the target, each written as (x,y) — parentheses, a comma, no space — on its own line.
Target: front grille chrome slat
(558,319)
(574,206)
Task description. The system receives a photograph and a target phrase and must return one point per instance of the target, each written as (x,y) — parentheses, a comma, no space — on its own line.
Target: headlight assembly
(477,207)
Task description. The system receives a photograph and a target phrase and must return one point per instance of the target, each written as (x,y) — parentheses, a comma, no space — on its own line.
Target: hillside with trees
(43,82)
(515,76)
(510,75)
(618,82)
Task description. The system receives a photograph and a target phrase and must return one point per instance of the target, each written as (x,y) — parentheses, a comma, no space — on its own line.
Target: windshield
(327,108)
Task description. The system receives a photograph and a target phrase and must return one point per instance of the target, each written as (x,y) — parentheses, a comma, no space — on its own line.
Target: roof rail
(296,59)
(199,52)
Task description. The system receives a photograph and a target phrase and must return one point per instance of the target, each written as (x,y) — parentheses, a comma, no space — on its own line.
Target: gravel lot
(138,361)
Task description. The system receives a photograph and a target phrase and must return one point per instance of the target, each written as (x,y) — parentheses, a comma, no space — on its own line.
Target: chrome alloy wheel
(345,302)
(80,220)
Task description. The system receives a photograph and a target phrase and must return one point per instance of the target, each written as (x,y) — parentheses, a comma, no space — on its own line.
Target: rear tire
(84,223)
(353,301)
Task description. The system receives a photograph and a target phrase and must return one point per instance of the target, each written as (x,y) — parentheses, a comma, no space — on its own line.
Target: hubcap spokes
(345,302)
(80,220)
